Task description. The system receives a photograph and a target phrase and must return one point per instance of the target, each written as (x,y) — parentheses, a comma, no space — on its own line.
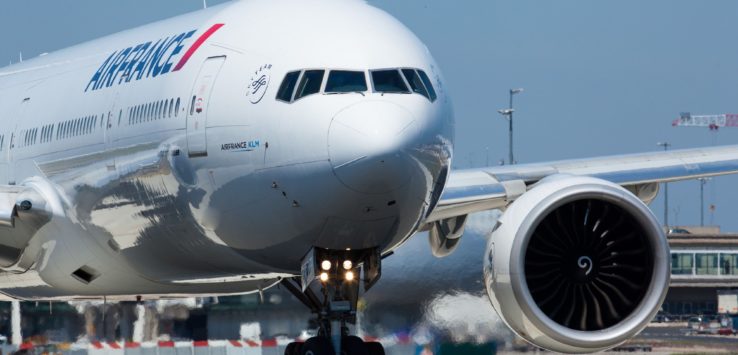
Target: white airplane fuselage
(172,168)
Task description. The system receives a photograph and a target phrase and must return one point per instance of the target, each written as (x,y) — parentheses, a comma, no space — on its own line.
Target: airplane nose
(369,145)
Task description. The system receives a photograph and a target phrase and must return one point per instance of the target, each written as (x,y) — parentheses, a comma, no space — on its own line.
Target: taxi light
(348,265)
(325,265)
(349,275)
(324,276)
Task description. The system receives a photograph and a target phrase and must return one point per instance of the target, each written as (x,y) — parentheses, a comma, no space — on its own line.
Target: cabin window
(176,108)
(166,108)
(389,81)
(288,86)
(192,105)
(342,81)
(171,107)
(310,83)
(428,85)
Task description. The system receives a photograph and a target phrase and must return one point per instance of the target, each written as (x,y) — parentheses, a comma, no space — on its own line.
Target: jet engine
(577,264)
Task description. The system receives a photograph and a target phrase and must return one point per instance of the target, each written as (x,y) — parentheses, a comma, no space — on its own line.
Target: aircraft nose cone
(369,143)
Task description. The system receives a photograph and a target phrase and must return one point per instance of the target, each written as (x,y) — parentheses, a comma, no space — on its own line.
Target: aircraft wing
(473,190)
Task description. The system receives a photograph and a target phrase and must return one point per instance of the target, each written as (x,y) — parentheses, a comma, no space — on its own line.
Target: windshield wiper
(345,92)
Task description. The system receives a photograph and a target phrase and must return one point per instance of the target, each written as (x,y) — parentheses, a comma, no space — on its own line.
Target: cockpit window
(310,83)
(428,85)
(341,81)
(415,83)
(288,86)
(389,81)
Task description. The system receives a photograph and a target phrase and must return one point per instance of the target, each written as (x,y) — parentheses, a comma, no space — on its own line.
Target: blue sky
(600,78)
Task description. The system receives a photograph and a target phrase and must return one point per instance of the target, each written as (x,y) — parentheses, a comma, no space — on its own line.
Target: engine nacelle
(577,264)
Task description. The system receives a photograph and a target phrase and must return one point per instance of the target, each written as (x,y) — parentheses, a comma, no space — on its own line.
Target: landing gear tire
(374,348)
(353,345)
(317,346)
(293,349)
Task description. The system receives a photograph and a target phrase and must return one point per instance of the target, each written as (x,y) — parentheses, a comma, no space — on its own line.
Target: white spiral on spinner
(585,262)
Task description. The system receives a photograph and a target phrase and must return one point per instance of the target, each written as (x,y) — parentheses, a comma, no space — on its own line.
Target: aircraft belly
(153,222)
(143,203)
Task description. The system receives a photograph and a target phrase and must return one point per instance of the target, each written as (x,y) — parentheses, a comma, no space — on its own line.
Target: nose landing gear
(330,286)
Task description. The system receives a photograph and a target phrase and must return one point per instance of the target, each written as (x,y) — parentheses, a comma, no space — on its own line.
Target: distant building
(703,261)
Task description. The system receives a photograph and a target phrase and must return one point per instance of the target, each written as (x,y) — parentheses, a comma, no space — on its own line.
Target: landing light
(349,275)
(347,265)
(324,276)
(325,265)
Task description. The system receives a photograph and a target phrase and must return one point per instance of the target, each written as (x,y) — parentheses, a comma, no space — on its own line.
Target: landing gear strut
(330,286)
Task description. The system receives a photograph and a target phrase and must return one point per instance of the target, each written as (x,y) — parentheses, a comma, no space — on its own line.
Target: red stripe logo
(195,46)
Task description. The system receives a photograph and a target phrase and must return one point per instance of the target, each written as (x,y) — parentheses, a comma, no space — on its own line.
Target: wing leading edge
(473,190)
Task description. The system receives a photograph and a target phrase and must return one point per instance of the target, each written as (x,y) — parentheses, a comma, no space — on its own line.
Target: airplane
(299,143)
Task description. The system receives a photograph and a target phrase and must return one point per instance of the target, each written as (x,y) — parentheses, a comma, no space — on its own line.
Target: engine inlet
(588,264)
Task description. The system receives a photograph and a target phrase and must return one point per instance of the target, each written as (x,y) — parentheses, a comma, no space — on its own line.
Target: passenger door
(14,137)
(109,121)
(199,102)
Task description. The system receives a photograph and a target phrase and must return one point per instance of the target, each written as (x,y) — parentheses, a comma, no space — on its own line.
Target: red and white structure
(713,122)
